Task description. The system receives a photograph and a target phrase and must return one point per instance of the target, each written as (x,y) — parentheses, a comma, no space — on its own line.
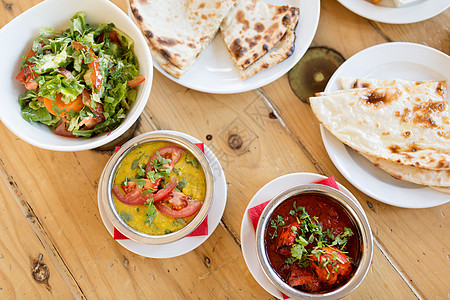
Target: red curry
(311,243)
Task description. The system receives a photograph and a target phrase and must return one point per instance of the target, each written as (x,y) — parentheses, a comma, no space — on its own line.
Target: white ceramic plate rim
(189,243)
(41,136)
(410,13)
(407,61)
(219,76)
(248,235)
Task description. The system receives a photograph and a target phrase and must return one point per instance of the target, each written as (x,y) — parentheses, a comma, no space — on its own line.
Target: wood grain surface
(49,216)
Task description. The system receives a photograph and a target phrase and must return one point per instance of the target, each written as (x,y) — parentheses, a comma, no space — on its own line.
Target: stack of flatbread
(402,127)
(178,30)
(258,35)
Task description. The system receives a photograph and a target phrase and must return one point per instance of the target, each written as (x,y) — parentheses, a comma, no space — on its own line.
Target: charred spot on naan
(440,89)
(240,18)
(405,116)
(379,97)
(136,14)
(148,34)
(259,27)
(237,49)
(423,113)
(167,41)
(444,164)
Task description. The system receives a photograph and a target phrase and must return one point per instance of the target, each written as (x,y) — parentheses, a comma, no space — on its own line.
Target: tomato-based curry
(311,243)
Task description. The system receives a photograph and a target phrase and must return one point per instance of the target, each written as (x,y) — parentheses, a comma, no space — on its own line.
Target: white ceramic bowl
(19,35)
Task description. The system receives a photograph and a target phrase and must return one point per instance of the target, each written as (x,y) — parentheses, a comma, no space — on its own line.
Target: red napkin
(255,212)
(202,229)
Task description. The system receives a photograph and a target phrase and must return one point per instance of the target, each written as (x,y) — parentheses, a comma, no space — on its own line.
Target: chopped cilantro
(140,182)
(176,171)
(150,213)
(181,185)
(193,162)
(126,217)
(148,191)
(181,221)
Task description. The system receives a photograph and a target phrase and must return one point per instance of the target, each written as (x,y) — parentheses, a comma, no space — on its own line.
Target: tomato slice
(94,66)
(136,81)
(174,153)
(163,193)
(76,105)
(135,197)
(66,73)
(191,206)
(62,131)
(114,38)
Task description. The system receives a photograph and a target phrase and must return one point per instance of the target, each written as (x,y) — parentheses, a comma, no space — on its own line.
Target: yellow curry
(139,177)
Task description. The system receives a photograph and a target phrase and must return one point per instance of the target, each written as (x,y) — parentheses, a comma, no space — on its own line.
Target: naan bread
(282,50)
(412,174)
(441,189)
(433,178)
(406,125)
(352,83)
(178,30)
(253,27)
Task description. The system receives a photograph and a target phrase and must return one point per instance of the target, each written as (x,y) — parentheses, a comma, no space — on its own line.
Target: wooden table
(48,200)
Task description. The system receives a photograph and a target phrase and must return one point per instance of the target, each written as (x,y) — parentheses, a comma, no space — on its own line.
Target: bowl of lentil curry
(157,188)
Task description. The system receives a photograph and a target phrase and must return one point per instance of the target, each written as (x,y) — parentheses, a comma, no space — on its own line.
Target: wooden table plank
(21,252)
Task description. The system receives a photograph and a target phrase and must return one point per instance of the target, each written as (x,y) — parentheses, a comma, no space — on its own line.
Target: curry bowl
(157,188)
(57,14)
(313,241)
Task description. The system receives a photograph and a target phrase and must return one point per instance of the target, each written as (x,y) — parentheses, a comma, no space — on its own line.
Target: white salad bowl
(19,35)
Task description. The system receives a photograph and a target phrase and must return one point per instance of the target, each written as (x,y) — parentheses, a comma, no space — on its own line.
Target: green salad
(81,81)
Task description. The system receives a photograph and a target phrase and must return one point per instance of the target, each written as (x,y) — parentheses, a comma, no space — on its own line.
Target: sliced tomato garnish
(135,197)
(94,66)
(188,205)
(91,122)
(136,81)
(27,77)
(75,105)
(66,73)
(163,193)
(174,153)
(62,131)
(114,38)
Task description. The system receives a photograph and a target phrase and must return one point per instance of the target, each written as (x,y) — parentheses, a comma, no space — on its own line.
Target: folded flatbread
(434,178)
(437,178)
(282,50)
(406,125)
(253,28)
(178,30)
(441,189)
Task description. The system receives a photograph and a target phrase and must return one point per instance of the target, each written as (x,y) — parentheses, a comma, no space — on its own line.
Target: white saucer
(188,243)
(248,236)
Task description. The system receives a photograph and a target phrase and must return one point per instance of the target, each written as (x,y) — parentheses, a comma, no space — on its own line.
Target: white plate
(387,61)
(248,236)
(191,242)
(386,12)
(214,70)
